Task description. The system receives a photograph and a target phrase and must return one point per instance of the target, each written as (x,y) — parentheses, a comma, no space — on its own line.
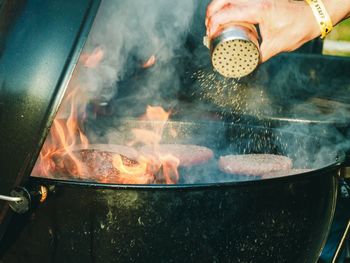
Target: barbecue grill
(70,68)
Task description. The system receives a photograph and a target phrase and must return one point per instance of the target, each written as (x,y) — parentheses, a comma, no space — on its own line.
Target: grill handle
(10,198)
(21,199)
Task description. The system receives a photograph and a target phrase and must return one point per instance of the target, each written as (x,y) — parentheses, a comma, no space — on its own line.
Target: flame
(156,113)
(145,136)
(63,138)
(150,62)
(165,168)
(62,153)
(134,174)
(135,170)
(93,59)
(170,166)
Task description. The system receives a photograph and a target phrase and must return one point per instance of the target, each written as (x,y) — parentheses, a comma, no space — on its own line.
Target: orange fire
(157,118)
(164,168)
(64,137)
(67,151)
(150,62)
(62,151)
(93,59)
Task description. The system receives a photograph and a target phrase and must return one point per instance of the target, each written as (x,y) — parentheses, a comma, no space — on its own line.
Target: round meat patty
(187,154)
(127,151)
(100,166)
(254,164)
(96,162)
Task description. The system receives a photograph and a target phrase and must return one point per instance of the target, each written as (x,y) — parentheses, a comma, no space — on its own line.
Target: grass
(341,32)
(336,53)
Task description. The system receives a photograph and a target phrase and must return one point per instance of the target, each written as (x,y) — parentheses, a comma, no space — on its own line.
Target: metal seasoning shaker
(234,50)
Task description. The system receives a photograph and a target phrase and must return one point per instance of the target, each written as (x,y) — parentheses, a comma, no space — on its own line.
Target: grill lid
(40,42)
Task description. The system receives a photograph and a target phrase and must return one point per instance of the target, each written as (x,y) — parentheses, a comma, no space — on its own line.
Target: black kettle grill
(284,219)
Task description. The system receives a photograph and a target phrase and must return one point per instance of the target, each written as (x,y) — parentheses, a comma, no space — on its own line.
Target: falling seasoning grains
(229,94)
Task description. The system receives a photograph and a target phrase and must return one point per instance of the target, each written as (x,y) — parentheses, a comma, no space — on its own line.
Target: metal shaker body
(235,50)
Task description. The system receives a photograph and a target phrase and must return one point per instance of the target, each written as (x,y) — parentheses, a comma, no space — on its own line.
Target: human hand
(284,25)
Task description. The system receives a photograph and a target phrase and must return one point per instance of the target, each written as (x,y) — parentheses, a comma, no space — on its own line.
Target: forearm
(284,25)
(337,9)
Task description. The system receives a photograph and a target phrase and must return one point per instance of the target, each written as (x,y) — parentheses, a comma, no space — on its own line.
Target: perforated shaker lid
(235,58)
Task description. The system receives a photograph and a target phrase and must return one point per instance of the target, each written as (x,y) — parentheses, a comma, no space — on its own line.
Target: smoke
(308,145)
(129,33)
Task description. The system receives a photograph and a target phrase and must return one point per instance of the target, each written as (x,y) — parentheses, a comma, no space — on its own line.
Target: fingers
(215,6)
(231,14)
(212,8)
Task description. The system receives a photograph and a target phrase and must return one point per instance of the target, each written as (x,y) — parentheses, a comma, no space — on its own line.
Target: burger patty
(187,154)
(126,151)
(254,164)
(97,162)
(99,166)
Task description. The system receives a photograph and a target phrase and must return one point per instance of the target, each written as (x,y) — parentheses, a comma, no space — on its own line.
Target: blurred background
(338,41)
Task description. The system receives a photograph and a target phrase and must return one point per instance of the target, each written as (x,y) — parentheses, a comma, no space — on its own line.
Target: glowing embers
(93,59)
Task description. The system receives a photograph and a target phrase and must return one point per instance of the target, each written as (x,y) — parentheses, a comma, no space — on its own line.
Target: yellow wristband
(322,16)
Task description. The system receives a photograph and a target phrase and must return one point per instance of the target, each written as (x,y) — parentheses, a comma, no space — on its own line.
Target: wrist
(322,16)
(312,29)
